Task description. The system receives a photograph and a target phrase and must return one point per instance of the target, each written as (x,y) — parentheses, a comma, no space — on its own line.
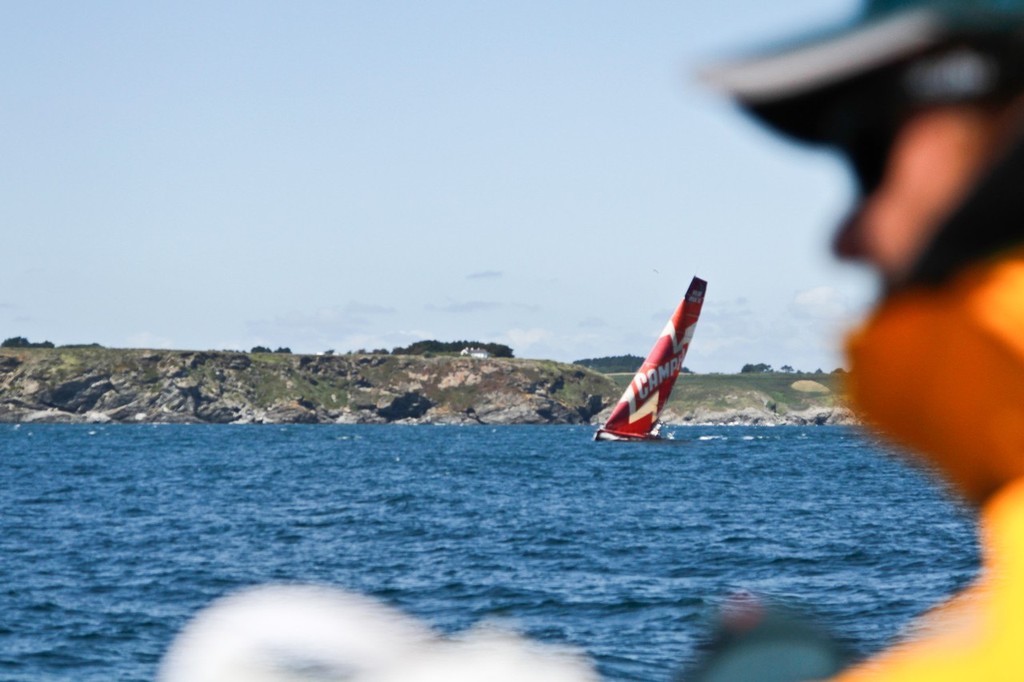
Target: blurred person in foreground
(925,99)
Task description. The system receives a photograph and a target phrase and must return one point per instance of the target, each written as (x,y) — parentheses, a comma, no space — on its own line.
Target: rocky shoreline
(93,385)
(97,385)
(814,416)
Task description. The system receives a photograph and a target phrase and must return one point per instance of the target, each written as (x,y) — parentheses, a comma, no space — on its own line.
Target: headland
(101,385)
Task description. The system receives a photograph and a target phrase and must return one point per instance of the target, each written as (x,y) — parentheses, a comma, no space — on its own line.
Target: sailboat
(635,417)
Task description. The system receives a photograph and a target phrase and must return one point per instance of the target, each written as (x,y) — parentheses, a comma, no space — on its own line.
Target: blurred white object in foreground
(304,633)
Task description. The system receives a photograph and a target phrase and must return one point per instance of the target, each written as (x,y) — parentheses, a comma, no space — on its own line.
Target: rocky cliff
(106,385)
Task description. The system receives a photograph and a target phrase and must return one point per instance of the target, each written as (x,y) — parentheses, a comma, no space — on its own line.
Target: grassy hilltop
(762,397)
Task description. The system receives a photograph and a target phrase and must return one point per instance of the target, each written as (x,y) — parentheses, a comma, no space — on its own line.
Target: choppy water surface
(111,537)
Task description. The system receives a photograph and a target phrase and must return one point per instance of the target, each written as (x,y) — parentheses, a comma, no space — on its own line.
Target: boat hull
(601,434)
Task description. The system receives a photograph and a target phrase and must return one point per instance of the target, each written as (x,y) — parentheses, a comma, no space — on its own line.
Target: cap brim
(827,60)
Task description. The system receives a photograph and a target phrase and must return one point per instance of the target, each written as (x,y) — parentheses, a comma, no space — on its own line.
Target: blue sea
(112,537)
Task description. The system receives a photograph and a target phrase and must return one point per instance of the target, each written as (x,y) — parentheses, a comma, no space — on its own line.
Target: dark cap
(795,87)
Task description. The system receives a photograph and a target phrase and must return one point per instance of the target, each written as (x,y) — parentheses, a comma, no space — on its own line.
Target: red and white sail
(635,417)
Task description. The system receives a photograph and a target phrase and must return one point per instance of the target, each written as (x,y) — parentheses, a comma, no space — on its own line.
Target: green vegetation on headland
(125,385)
(757,395)
(613,363)
(94,384)
(755,398)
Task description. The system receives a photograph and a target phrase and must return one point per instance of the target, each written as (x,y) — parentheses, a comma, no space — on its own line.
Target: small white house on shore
(475,353)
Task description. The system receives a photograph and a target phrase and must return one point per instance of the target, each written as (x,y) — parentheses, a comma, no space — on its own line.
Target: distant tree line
(613,363)
(616,364)
(264,349)
(497,350)
(764,368)
(22,342)
(759,368)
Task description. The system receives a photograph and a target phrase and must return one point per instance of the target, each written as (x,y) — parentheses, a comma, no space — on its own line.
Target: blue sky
(549,175)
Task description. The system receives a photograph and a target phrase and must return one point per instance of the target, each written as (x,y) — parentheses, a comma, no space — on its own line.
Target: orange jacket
(941,371)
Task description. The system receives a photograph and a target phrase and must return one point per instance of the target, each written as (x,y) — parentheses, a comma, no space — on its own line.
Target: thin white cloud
(331,322)
(521,340)
(820,303)
(354,308)
(485,274)
(593,323)
(466,307)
